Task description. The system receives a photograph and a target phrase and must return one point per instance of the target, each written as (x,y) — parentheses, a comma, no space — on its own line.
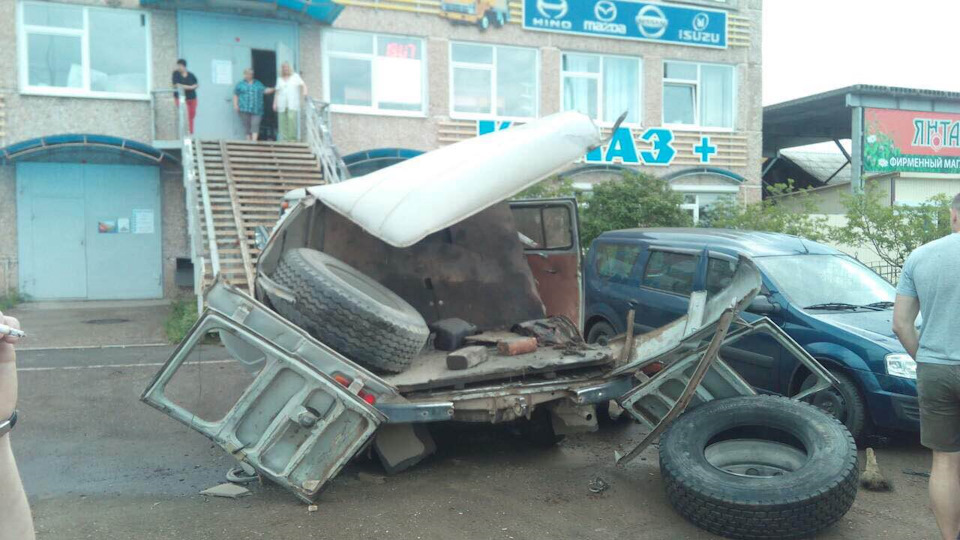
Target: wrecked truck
(420,293)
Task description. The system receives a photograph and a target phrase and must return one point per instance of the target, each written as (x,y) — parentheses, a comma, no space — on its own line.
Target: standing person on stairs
(290,92)
(248,102)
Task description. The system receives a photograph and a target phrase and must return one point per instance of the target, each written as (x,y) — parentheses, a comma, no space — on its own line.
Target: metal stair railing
(192,162)
(321,142)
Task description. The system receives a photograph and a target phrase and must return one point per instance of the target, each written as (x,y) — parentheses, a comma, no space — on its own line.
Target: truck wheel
(484,21)
(844,403)
(600,330)
(759,467)
(348,311)
(501,20)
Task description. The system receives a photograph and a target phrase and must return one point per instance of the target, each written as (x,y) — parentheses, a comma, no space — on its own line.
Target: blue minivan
(839,310)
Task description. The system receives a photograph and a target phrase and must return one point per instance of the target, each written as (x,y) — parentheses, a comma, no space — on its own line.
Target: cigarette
(8,331)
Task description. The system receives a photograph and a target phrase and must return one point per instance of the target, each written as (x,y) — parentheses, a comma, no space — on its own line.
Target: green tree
(636,200)
(892,231)
(794,216)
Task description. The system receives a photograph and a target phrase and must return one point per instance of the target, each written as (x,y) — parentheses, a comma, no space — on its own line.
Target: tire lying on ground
(349,311)
(759,467)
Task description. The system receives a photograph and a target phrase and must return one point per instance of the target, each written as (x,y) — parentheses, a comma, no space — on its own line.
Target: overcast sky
(811,46)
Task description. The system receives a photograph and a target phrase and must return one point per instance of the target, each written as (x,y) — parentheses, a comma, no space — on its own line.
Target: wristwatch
(7,425)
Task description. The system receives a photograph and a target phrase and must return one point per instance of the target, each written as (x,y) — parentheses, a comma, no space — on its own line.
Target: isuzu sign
(623,19)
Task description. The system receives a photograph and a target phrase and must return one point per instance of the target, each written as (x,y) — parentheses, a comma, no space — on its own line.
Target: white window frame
(492,68)
(696,191)
(372,109)
(696,97)
(599,78)
(23,30)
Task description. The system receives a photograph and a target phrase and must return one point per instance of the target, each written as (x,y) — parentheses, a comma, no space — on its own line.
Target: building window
(84,51)
(699,204)
(602,87)
(493,81)
(699,95)
(374,73)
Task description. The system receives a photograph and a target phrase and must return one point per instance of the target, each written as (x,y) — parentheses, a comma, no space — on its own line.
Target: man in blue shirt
(929,285)
(248,101)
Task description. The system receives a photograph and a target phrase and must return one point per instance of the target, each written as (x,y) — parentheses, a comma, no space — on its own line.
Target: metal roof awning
(322,11)
(91,148)
(827,116)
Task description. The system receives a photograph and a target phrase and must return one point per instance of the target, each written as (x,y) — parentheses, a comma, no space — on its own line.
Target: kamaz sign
(621,148)
(624,19)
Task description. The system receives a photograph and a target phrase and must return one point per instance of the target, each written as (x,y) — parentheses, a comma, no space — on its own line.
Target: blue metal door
(89,231)
(217,49)
(50,215)
(125,262)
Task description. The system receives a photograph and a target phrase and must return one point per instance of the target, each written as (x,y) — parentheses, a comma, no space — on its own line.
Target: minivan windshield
(827,281)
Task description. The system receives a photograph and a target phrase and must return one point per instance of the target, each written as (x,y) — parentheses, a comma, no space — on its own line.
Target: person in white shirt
(290,91)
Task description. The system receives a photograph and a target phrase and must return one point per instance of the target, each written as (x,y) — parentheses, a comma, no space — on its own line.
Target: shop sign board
(910,141)
(622,147)
(625,19)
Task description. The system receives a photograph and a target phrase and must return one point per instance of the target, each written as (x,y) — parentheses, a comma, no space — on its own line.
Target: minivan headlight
(901,365)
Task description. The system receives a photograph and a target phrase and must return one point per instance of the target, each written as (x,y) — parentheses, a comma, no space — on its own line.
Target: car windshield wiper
(881,305)
(834,306)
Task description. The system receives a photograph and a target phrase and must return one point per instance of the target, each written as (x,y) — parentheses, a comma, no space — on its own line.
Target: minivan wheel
(759,467)
(349,311)
(600,330)
(844,403)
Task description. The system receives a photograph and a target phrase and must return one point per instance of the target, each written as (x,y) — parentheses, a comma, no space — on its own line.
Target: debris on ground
(872,479)
(228,490)
(312,508)
(598,485)
(912,472)
(371,478)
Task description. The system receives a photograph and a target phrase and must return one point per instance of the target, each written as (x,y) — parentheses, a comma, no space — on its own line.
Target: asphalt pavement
(99,464)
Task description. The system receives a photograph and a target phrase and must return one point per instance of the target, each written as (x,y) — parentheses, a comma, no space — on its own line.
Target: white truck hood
(404,203)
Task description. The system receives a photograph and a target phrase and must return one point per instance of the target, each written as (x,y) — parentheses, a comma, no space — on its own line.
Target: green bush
(11,299)
(771,215)
(637,200)
(892,231)
(183,315)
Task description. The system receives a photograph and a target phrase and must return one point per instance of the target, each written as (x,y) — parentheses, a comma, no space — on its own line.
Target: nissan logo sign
(651,22)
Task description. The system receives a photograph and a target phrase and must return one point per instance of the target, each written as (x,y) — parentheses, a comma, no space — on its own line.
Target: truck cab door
(293,423)
(549,230)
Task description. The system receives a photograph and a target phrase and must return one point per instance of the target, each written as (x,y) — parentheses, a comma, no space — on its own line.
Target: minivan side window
(548,227)
(671,272)
(615,261)
(719,274)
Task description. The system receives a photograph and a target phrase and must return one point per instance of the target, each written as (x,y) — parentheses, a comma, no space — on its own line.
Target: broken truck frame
(688,349)
(310,409)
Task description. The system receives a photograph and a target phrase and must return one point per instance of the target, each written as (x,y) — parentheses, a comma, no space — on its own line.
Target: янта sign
(910,141)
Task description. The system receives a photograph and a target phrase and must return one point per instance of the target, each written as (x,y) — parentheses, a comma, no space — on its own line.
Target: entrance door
(89,231)
(217,49)
(265,70)
(50,204)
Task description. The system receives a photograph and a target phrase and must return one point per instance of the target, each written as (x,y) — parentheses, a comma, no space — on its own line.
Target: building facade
(91,188)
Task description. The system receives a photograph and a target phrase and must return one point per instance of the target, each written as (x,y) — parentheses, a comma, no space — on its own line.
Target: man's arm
(905,311)
(236,103)
(15,520)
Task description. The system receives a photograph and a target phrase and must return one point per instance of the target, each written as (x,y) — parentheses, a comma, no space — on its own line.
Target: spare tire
(759,467)
(349,311)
